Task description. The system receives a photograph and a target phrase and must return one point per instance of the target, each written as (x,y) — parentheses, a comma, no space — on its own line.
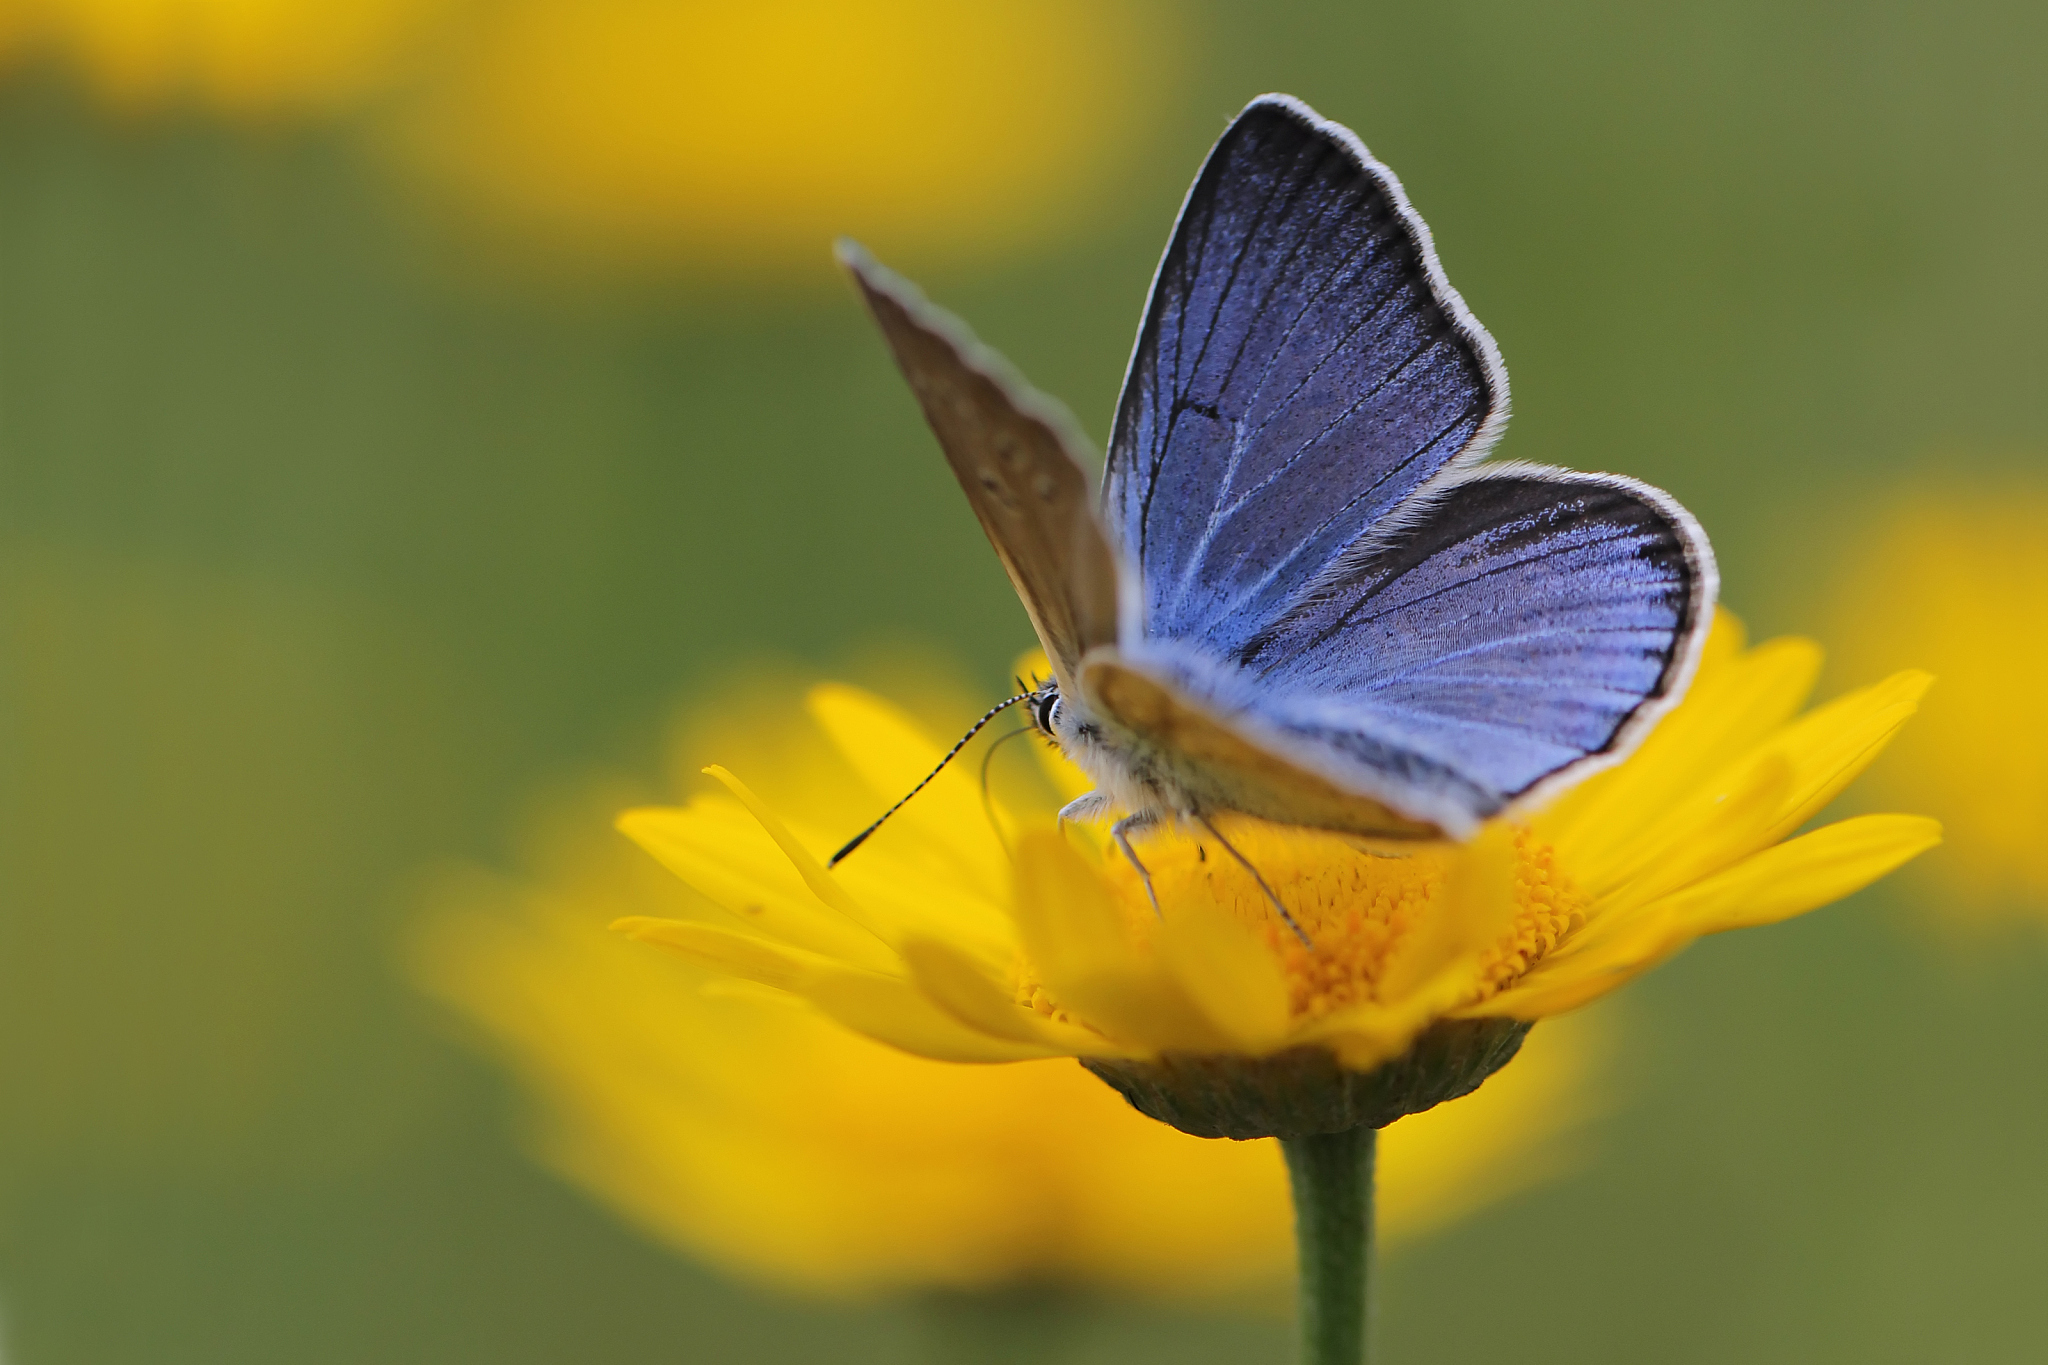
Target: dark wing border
(1688,644)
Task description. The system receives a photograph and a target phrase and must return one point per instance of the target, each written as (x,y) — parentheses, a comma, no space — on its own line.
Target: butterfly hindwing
(1302,368)
(1016,455)
(1525,625)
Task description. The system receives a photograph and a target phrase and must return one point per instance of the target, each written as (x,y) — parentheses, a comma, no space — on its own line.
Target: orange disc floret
(1354,907)
(1548,909)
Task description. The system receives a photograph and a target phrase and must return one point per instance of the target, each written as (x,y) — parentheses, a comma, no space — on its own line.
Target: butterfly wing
(1302,368)
(1016,455)
(1329,579)
(1524,626)
(1236,765)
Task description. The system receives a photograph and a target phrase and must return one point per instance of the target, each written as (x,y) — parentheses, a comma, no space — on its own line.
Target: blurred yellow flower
(759,132)
(973,931)
(755,1133)
(676,130)
(249,57)
(1959,580)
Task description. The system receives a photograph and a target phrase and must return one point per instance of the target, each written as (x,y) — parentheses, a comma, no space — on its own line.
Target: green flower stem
(1332,1177)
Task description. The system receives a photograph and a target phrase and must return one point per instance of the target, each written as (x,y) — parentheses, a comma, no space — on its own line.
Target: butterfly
(1300,595)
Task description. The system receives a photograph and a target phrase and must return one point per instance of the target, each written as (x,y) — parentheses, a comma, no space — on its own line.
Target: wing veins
(1348,619)
(1371,316)
(1208,335)
(1339,420)
(1221,513)
(1295,183)
(1243,441)
(1156,457)
(1277,569)
(1397,708)
(1237,444)
(1374,240)
(1409,672)
(1458,680)
(1339,210)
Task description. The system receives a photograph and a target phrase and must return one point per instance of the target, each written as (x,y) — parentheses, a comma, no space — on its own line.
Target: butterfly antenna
(857,840)
(988,800)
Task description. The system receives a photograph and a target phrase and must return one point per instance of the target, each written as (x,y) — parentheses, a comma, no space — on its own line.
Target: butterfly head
(1124,777)
(1043,702)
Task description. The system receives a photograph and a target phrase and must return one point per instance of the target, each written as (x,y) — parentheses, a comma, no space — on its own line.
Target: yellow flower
(643,131)
(242,56)
(759,132)
(970,931)
(769,1140)
(1960,580)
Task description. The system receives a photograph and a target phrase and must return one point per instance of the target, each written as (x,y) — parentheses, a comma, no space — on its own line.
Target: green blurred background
(333,529)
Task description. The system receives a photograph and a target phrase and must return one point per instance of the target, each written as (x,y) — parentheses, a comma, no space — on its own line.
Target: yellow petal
(1364,1048)
(892,755)
(1785,880)
(1821,752)
(1727,638)
(725,854)
(1732,708)
(751,993)
(1079,945)
(743,955)
(893,1011)
(1604,963)
(910,898)
(1804,874)
(1066,916)
(1698,842)
(1471,912)
(961,987)
(809,868)
(1228,972)
(1832,745)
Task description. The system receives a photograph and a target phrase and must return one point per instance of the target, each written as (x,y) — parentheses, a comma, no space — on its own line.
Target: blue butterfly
(1300,594)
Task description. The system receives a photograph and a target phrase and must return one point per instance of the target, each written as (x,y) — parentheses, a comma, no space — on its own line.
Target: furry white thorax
(1126,780)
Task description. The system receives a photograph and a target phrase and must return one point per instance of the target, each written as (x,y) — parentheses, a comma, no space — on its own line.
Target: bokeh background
(404,402)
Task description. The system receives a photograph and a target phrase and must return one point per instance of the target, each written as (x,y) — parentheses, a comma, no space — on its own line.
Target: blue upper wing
(1302,368)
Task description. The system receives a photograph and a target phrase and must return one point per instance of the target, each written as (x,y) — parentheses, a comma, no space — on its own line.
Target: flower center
(1355,908)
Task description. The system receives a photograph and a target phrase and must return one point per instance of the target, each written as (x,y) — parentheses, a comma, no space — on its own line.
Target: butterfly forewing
(1301,369)
(1017,458)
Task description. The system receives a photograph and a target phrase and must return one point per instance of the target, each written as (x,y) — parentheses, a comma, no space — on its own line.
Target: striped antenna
(857,840)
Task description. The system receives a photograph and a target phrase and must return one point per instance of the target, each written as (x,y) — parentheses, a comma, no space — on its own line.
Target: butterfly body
(1175,771)
(1301,595)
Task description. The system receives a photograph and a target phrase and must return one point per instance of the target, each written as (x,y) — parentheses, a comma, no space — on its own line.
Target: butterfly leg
(1246,864)
(1087,806)
(1121,832)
